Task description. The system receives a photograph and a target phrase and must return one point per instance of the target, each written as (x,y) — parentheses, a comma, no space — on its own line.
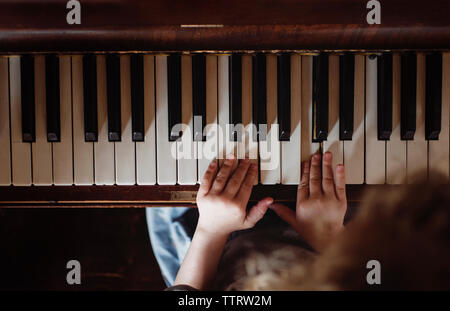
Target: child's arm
(222,201)
(321,202)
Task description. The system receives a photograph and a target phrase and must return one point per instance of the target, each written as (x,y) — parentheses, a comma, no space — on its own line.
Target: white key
(5,156)
(207,150)
(354,150)
(83,152)
(165,159)
(269,150)
(396,147)
(246,108)
(125,149)
(333,144)
(308,148)
(62,151)
(291,150)
(226,146)
(146,150)
(187,148)
(103,149)
(20,151)
(438,156)
(417,149)
(375,149)
(41,149)
(248,147)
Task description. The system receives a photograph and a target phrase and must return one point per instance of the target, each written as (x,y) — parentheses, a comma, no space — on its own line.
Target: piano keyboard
(109,119)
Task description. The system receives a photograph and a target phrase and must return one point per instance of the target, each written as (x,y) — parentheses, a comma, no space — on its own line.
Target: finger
(245,190)
(303,187)
(257,212)
(223,174)
(340,183)
(327,172)
(208,179)
(315,176)
(285,213)
(234,183)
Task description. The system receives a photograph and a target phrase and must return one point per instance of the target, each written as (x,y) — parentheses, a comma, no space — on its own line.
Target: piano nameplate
(183,196)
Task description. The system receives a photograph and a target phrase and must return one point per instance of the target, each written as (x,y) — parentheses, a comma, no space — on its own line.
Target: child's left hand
(223,196)
(321,202)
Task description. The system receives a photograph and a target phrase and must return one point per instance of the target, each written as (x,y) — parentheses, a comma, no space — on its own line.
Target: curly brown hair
(406,229)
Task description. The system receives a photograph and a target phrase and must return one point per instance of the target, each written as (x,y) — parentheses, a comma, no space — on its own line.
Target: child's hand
(223,196)
(321,202)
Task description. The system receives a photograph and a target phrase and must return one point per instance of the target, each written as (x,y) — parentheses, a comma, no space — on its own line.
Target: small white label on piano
(202,26)
(183,196)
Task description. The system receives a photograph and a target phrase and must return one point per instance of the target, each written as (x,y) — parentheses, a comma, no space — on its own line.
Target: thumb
(257,212)
(285,213)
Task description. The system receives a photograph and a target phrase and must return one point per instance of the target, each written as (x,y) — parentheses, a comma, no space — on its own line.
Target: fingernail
(230,156)
(316,157)
(327,156)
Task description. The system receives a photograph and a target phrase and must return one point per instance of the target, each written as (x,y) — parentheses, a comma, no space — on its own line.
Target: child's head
(406,229)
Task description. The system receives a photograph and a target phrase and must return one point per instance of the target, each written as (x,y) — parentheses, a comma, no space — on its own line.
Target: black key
(90,98)
(284,96)
(346,96)
(174,95)
(320,98)
(235,76)
(433,107)
(199,96)
(53,99)
(27,93)
(385,81)
(113,91)
(137,96)
(408,96)
(259,98)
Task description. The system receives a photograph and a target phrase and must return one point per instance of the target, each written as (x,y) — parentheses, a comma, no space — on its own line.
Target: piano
(89,111)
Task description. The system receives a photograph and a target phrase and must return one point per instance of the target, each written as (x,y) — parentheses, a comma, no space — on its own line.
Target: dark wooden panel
(139,196)
(126,25)
(112,246)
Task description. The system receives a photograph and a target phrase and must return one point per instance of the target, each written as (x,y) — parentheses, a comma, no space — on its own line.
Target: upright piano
(90,112)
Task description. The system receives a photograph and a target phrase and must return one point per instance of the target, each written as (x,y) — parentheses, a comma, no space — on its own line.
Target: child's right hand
(321,202)
(223,196)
